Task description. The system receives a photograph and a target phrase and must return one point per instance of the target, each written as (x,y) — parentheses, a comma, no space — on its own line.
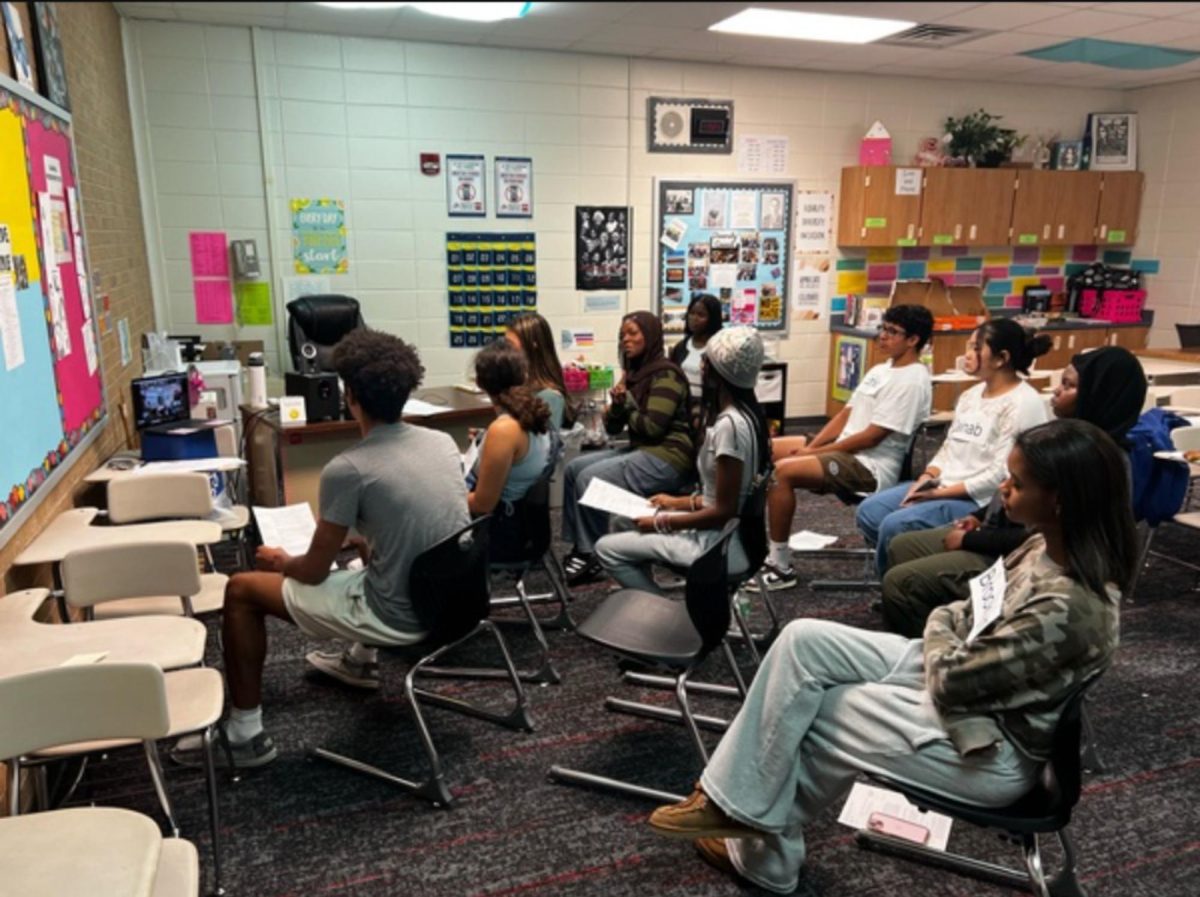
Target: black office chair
(1045,809)
(1189,335)
(676,636)
(321,321)
(451,596)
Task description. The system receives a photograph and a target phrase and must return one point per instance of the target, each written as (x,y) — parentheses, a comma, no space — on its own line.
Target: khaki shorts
(844,473)
(337,608)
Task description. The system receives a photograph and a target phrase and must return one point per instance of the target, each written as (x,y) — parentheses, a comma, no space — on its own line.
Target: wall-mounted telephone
(245,258)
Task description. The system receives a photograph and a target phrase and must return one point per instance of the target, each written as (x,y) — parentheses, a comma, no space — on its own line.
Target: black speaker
(322,400)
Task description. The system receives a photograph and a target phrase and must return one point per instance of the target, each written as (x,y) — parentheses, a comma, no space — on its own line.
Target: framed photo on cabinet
(1114,141)
(1067,155)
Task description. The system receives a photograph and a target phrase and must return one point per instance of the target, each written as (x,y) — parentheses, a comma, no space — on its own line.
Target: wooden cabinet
(967,206)
(1131,338)
(1120,204)
(990,207)
(1066,343)
(870,211)
(1055,208)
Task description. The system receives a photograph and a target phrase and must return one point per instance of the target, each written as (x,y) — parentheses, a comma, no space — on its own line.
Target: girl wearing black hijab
(652,402)
(1105,387)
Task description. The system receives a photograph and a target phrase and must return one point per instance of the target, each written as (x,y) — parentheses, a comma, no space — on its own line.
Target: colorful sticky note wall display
(491,279)
(1004,275)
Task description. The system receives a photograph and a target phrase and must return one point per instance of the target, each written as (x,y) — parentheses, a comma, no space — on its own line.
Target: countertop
(836,325)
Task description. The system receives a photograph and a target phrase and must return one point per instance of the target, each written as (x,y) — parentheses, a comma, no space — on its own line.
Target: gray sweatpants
(627,555)
(829,702)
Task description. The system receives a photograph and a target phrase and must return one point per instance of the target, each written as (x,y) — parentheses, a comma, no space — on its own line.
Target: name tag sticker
(987,598)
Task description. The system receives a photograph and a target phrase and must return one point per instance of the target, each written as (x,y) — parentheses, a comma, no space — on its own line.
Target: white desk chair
(136,580)
(163,496)
(59,710)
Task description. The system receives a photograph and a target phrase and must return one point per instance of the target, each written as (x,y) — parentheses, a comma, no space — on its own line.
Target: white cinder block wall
(346,118)
(1168,147)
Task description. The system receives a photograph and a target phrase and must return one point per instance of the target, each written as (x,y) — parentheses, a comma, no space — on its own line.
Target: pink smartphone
(897,828)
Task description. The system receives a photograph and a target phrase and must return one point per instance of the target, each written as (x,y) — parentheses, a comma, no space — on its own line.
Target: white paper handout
(865,800)
(743,210)
(606,497)
(290,527)
(418,408)
(470,456)
(806,540)
(204,465)
(987,597)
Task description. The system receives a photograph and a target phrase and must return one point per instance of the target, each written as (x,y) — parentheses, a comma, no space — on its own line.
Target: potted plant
(979,141)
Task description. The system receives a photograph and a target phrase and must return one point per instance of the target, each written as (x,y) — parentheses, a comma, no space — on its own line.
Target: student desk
(72,529)
(167,642)
(105,474)
(102,851)
(286,462)
(1160,371)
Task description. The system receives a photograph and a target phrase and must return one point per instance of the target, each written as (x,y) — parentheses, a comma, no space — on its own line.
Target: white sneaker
(342,667)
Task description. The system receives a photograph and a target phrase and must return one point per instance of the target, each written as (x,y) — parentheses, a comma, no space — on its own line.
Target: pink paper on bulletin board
(80,391)
(214,301)
(210,258)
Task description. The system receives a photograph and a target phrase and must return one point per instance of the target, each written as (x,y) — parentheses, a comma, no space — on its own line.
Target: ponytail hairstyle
(1088,474)
(545,372)
(500,371)
(745,401)
(1006,335)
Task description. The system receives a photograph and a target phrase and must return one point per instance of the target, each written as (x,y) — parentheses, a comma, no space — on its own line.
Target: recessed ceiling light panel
(814,26)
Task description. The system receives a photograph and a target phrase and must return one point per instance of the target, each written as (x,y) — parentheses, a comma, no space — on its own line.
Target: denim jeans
(831,701)
(637,471)
(880,518)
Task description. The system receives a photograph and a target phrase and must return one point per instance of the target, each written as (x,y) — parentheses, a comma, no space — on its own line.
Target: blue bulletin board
(730,239)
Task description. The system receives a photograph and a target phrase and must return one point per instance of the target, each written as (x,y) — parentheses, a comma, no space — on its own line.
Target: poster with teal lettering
(319,236)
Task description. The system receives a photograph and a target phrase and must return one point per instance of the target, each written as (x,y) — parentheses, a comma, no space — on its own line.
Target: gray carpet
(300,827)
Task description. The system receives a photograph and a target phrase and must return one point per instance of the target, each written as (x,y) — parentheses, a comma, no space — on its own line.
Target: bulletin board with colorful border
(51,394)
(730,239)
(491,279)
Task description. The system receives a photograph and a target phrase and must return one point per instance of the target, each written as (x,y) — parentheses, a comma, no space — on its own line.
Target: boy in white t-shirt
(861,449)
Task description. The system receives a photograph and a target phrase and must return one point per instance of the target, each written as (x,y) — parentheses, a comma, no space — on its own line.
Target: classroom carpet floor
(303,827)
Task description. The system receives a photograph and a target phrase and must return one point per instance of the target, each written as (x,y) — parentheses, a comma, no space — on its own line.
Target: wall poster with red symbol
(466,187)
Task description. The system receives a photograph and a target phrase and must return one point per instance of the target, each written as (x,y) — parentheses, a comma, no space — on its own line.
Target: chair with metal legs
(1045,809)
(450,592)
(86,709)
(676,636)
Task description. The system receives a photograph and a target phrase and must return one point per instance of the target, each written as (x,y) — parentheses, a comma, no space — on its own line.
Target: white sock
(360,653)
(780,556)
(243,724)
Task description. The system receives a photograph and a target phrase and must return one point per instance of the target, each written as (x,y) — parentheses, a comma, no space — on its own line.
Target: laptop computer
(160,405)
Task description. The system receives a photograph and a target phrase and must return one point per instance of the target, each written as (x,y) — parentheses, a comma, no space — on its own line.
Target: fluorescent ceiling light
(472,12)
(816,26)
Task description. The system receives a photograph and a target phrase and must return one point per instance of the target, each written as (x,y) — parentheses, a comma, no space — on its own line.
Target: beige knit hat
(737,355)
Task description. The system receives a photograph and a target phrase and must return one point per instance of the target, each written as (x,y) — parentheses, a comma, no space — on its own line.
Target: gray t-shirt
(730,436)
(402,489)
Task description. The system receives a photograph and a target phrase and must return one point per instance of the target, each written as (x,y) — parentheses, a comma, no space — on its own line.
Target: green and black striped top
(662,428)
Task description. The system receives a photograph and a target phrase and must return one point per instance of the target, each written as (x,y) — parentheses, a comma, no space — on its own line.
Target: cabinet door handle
(971,233)
(1046,232)
(1062,229)
(910,231)
(957,232)
(1103,231)
(1112,339)
(1057,343)
(1071,341)
(862,232)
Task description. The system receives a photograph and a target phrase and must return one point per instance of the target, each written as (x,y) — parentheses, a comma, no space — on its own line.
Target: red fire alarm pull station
(431,163)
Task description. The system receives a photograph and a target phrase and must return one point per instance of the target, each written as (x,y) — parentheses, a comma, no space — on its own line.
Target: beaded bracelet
(662,523)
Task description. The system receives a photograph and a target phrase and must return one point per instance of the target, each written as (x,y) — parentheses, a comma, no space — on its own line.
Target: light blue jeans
(831,701)
(637,471)
(627,555)
(880,518)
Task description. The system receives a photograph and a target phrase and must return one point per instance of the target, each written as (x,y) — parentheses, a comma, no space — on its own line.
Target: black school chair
(1045,809)
(451,596)
(676,636)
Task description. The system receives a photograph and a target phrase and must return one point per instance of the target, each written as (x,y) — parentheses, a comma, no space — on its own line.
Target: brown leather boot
(698,817)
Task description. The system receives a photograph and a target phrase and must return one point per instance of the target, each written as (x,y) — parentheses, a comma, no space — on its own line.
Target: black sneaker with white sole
(774,579)
(581,568)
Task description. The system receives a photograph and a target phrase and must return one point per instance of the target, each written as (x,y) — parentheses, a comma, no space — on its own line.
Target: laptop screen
(160,400)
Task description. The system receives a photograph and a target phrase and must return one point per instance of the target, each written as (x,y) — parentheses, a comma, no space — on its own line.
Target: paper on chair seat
(606,497)
(867,799)
(806,540)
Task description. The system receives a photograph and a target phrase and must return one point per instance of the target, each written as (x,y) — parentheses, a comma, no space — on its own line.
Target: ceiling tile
(1084,23)
(592,12)
(1004,15)
(1155,32)
(1155,10)
(1007,42)
(680,16)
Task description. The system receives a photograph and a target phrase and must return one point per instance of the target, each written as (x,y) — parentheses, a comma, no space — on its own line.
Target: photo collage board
(491,279)
(729,239)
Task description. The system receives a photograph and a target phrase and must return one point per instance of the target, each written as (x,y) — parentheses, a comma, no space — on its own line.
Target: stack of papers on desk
(418,408)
